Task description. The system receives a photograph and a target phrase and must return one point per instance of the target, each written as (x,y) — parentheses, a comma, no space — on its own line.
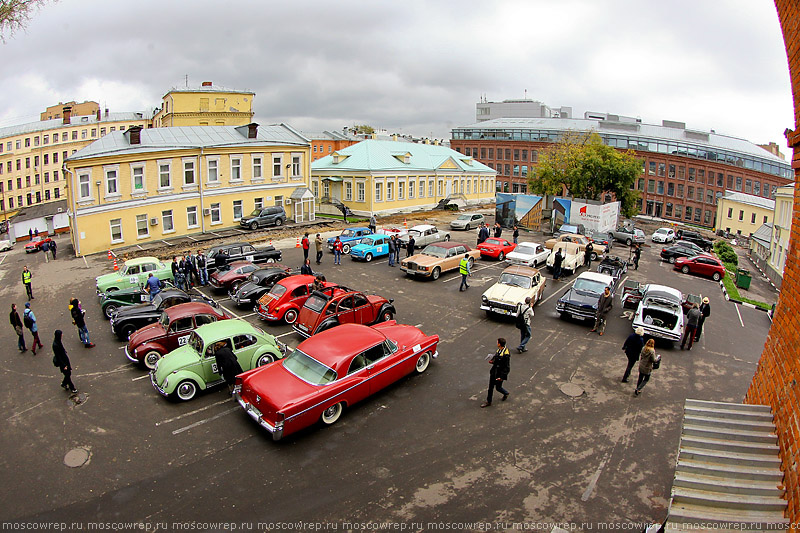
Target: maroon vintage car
(286,298)
(332,371)
(150,343)
(230,278)
(341,306)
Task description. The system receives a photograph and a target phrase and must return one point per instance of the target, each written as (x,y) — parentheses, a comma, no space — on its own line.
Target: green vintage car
(134,274)
(181,373)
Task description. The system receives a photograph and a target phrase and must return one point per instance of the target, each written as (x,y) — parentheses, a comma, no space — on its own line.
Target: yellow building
(782,228)
(76,109)
(393,176)
(743,214)
(207,105)
(146,185)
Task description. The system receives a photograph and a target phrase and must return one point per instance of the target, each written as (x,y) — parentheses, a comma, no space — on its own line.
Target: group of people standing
(191,270)
(497,232)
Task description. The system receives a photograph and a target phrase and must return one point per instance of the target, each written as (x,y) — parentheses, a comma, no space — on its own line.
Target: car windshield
(492,241)
(366,240)
(516,280)
(164,320)
(435,251)
(195,342)
(308,369)
(662,231)
(464,217)
(589,285)
(347,233)
(528,249)
(255,213)
(315,303)
(157,300)
(277,290)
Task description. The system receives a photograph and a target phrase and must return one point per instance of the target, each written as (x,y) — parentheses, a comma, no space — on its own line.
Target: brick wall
(776,379)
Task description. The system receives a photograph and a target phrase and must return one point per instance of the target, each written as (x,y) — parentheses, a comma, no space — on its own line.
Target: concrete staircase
(728,470)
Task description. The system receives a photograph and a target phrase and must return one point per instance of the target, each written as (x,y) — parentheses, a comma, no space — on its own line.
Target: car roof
(221,329)
(189,309)
(329,347)
(521,270)
(229,245)
(666,290)
(237,264)
(572,247)
(374,236)
(448,244)
(142,260)
(528,243)
(356,228)
(421,227)
(296,280)
(596,276)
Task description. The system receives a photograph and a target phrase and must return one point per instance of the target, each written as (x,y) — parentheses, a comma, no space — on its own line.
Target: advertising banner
(600,218)
(523,210)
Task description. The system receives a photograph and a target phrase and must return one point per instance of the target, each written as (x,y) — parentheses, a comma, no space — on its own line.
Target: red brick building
(684,172)
(327,142)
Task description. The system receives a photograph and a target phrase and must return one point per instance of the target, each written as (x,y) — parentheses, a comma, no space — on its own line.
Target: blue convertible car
(349,238)
(370,246)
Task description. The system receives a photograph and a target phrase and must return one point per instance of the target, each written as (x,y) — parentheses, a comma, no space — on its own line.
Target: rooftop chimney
(106,112)
(66,113)
(98,114)
(134,135)
(207,84)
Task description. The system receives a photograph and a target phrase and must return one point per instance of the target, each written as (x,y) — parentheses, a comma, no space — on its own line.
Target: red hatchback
(705,265)
(286,298)
(496,247)
(341,306)
(332,371)
(150,343)
(234,276)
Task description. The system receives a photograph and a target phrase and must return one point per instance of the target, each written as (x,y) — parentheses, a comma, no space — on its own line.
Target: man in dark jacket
(53,248)
(483,233)
(61,360)
(227,364)
(603,307)
(221,260)
(501,366)
(690,328)
(410,246)
(587,255)
(633,347)
(498,230)
(557,265)
(705,312)
(306,268)
(79,319)
(392,249)
(16,323)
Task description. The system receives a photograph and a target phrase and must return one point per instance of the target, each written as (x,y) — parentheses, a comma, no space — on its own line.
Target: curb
(727,297)
(750,259)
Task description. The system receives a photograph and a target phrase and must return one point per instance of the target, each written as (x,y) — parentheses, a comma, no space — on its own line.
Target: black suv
(243,251)
(266,216)
(693,236)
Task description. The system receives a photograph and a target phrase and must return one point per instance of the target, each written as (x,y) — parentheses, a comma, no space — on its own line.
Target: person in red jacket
(305,244)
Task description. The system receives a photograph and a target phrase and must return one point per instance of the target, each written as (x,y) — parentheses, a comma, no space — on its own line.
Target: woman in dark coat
(16,323)
(61,360)
(227,364)
(633,347)
(646,360)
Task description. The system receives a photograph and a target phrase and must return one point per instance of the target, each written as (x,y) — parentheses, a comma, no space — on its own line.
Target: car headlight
(484,299)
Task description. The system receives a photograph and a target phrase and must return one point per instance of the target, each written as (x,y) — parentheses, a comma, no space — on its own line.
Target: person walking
(318,244)
(153,285)
(46,250)
(647,359)
(192,278)
(603,307)
(373,223)
(61,361)
(632,347)
(53,249)
(337,251)
(557,260)
(524,320)
(30,234)
(483,233)
(30,322)
(587,255)
(705,312)
(16,323)
(177,272)
(306,268)
(305,245)
(36,233)
(412,243)
(202,268)
(392,249)
(501,366)
(690,328)
(397,246)
(227,364)
(637,254)
(465,269)
(515,235)
(79,319)
(26,281)
(498,230)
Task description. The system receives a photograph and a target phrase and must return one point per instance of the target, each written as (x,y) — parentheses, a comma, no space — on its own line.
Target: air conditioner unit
(288,201)
(206,212)
(154,222)
(60,209)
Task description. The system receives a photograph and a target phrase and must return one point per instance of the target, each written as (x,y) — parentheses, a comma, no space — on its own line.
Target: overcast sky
(410,66)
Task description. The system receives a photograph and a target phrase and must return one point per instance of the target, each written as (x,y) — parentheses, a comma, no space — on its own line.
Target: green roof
(375,155)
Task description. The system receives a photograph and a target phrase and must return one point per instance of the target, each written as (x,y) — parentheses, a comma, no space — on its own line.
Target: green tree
(582,166)
(15,14)
(364,128)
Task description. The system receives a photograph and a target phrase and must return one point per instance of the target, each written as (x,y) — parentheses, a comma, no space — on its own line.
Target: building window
(678,211)
(709,196)
(699,194)
(491,153)
(166,221)
(662,167)
(315,188)
(326,188)
(378,192)
(38,196)
(277,160)
(348,191)
(422,188)
(651,185)
(257,167)
(765,219)
(112,188)
(670,189)
(27,142)
(748,186)
(690,193)
(753,218)
(216,214)
(411,188)
(720,178)
(74,135)
(84,186)
(660,188)
(668,210)
(141,226)
(55,157)
(430,188)
(361,191)
(296,165)
(401,192)
(258,203)
(741,215)
(757,188)
(57,193)
(213,170)
(671,171)
(738,183)
(237,210)
(191,217)
(389,191)
(188,172)
(137,177)
(164,178)
(236,169)
(688,212)
(115,225)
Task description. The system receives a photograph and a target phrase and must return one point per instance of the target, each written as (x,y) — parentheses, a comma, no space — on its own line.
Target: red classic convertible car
(332,371)
(231,278)
(496,247)
(150,343)
(286,298)
(341,306)
(36,245)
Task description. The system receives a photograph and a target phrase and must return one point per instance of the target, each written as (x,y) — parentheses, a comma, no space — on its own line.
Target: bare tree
(15,14)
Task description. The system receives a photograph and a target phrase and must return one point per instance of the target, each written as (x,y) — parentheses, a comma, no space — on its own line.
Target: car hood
(107,279)
(362,248)
(581,298)
(175,360)
(502,292)
(134,310)
(519,255)
(249,287)
(424,260)
(145,334)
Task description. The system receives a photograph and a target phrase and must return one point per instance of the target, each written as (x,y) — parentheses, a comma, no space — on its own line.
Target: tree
(15,14)
(587,168)
(364,128)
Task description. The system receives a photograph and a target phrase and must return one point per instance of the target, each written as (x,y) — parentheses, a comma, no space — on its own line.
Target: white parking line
(555,293)
(201,422)
(229,311)
(248,315)
(190,413)
(284,334)
(738,313)
(458,278)
(167,243)
(141,377)
(3,259)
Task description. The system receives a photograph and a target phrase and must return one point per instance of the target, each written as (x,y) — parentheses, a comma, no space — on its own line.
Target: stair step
(730,406)
(751,448)
(732,423)
(685,513)
(726,485)
(727,413)
(729,471)
(730,458)
(716,500)
(729,434)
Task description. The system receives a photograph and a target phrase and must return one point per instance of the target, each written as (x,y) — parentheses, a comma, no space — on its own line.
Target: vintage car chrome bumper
(576,312)
(300,331)
(658,332)
(500,309)
(161,391)
(255,414)
(130,357)
(414,272)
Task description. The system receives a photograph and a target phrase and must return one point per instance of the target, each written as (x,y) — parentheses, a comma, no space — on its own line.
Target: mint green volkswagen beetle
(183,372)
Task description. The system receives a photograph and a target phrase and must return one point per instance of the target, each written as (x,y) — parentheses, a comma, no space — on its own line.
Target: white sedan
(6,245)
(572,256)
(528,254)
(663,235)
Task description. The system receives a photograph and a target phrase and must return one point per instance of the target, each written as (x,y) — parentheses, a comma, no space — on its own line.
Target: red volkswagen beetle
(332,371)
(285,299)
(496,248)
(705,265)
(341,306)
(234,276)
(150,343)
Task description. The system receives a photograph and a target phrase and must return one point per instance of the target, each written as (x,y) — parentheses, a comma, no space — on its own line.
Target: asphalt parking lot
(419,452)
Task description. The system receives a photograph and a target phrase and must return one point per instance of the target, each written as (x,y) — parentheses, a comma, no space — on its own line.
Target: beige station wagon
(599,249)
(437,258)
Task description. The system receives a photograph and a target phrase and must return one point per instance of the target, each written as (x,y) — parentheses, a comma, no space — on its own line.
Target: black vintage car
(243,251)
(128,319)
(110,301)
(258,284)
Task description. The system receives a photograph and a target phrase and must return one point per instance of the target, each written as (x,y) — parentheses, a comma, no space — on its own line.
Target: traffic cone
(297,244)
(116,266)
(270,242)
(109,254)
(405,223)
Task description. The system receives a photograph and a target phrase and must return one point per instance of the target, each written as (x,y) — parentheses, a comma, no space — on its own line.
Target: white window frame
(216,212)
(389,190)
(146,227)
(192,210)
(401,189)
(411,186)
(85,177)
(111,175)
(361,191)
(168,163)
(257,164)
(134,167)
(236,164)
(237,204)
(378,192)
(430,187)
(116,222)
(277,164)
(167,215)
(258,203)
(189,165)
(348,191)
(212,178)
(297,165)
(421,189)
